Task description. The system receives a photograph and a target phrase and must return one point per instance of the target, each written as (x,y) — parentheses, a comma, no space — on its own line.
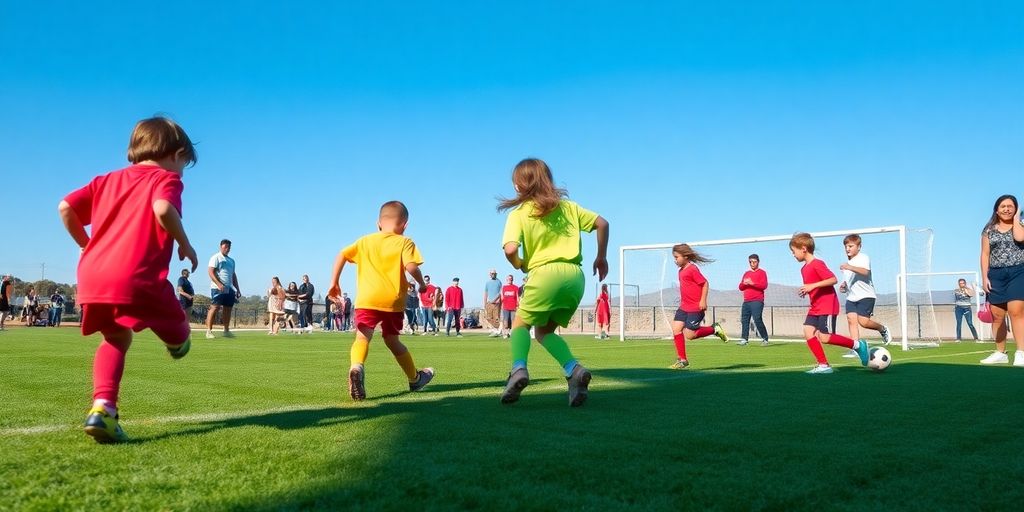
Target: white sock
(107,406)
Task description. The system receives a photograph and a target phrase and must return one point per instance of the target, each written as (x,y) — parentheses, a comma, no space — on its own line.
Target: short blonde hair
(855,238)
(157,138)
(803,241)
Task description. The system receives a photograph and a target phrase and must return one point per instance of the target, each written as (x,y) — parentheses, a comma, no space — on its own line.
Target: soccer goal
(894,251)
(931,309)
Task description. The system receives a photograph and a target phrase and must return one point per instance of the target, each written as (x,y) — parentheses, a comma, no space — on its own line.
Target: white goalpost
(921,294)
(652,269)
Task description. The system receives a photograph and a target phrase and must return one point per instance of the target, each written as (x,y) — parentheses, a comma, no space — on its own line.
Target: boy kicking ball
(122,273)
(860,292)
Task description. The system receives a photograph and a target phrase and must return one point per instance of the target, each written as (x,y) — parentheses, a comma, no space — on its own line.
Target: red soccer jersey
(691,287)
(427,297)
(824,300)
(128,253)
(604,304)
(453,297)
(756,290)
(509,297)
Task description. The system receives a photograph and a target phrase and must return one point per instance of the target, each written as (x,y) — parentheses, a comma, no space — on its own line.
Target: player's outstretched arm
(73,224)
(512,255)
(601,260)
(169,219)
(414,270)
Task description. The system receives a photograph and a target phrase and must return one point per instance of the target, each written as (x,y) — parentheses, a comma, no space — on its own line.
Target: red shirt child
(122,274)
(824,300)
(691,287)
(509,297)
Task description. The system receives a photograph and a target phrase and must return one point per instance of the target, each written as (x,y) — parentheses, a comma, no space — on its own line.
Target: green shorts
(552,294)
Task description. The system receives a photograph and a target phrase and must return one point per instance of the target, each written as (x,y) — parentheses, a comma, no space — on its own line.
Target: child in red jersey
(818,286)
(603,312)
(693,302)
(122,273)
(509,305)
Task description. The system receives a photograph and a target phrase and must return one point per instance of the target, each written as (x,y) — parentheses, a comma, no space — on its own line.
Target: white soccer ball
(880,359)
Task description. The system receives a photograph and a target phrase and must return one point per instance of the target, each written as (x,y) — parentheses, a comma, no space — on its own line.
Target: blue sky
(675,120)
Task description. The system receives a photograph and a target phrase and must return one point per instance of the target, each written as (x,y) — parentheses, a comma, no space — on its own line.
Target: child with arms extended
(818,286)
(135,214)
(547,228)
(382,260)
(693,302)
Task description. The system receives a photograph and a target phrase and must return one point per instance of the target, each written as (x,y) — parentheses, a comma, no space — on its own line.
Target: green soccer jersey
(552,238)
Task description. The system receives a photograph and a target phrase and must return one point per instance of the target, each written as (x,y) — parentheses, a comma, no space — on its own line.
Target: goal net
(931,311)
(893,251)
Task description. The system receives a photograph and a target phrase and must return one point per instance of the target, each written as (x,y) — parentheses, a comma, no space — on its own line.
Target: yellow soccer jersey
(380,274)
(555,237)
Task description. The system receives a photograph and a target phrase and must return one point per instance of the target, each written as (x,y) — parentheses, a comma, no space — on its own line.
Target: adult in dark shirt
(346,313)
(305,303)
(56,308)
(186,294)
(5,300)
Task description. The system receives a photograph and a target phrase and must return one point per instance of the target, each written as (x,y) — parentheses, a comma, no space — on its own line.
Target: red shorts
(390,322)
(164,317)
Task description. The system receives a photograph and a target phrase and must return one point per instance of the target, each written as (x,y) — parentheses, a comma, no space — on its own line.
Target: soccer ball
(880,359)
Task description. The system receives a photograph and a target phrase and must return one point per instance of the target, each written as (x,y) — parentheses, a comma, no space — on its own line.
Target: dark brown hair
(690,254)
(394,209)
(803,241)
(157,138)
(533,182)
(994,219)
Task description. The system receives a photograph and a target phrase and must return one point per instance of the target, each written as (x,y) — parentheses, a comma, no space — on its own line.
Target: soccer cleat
(209,335)
(356,390)
(720,332)
(742,343)
(764,343)
(181,350)
(1018,358)
(423,377)
(518,379)
(820,369)
(229,334)
(578,384)
(103,427)
(996,357)
(680,364)
(886,337)
(862,351)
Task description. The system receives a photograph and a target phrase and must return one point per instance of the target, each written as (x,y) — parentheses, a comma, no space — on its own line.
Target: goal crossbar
(901,292)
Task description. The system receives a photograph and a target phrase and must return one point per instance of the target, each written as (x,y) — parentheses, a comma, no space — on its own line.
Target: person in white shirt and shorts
(860,292)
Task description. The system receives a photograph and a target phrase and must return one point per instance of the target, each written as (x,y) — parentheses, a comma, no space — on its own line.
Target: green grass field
(262,423)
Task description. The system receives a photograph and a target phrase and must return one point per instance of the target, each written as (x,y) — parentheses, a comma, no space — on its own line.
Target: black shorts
(225,298)
(863,307)
(825,324)
(5,306)
(690,320)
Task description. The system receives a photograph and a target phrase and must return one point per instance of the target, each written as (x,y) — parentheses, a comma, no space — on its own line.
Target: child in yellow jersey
(547,227)
(382,258)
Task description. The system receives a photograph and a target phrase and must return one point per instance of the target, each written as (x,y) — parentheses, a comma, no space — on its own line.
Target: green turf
(261,423)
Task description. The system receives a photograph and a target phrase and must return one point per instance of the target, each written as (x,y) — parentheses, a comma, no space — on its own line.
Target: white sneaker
(1018,358)
(209,335)
(742,343)
(851,354)
(820,369)
(996,357)
(886,337)
(494,334)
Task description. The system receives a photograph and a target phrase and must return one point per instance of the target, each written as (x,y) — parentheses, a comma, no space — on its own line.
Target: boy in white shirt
(860,291)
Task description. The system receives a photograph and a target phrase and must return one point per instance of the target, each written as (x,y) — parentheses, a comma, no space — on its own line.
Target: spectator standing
(28,312)
(753,284)
(5,300)
(306,303)
(275,305)
(291,308)
(186,294)
(509,304)
(603,312)
(412,308)
(56,308)
(438,309)
(492,303)
(224,290)
(426,307)
(962,296)
(328,314)
(1002,274)
(453,300)
(346,312)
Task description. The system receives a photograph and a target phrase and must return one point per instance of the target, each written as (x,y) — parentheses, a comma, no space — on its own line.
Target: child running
(693,302)
(818,286)
(122,273)
(547,227)
(603,312)
(860,292)
(382,259)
